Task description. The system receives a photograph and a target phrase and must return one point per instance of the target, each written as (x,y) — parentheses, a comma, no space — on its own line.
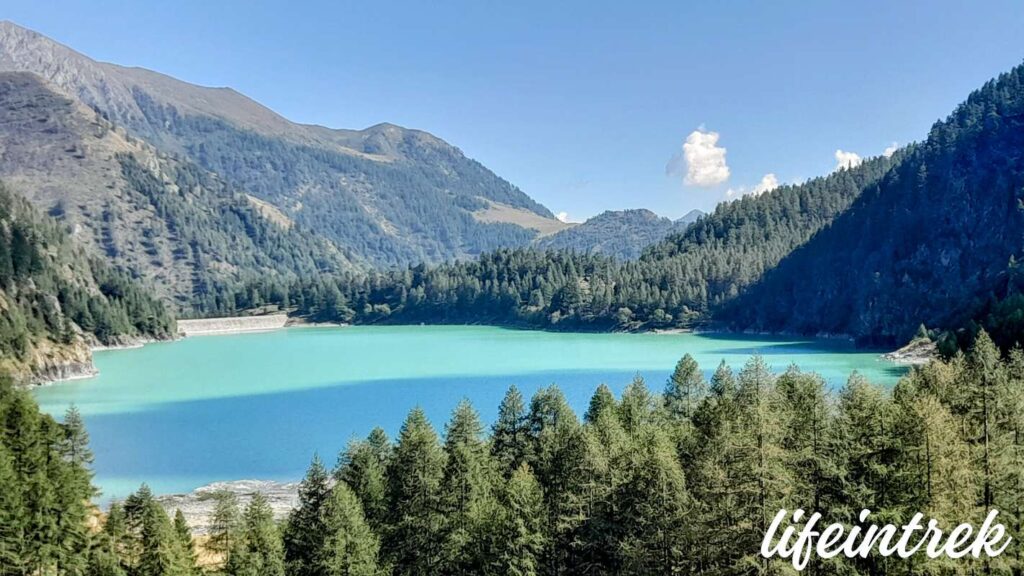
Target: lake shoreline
(234,325)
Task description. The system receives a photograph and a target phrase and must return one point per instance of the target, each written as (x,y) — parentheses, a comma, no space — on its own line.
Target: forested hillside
(386,195)
(682,482)
(935,241)
(622,234)
(677,282)
(185,232)
(56,300)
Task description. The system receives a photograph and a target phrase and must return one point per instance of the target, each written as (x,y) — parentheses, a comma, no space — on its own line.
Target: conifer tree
(258,550)
(224,524)
(764,484)
(653,505)
(363,466)
(184,534)
(807,437)
(161,553)
(414,499)
(638,407)
(468,501)
(305,532)
(520,539)
(510,434)
(685,389)
(351,547)
(603,401)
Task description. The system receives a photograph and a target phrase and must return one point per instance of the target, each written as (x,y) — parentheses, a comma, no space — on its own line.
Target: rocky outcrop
(919,351)
(50,362)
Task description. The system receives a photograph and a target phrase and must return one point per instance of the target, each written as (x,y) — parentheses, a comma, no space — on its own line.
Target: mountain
(56,300)
(677,282)
(935,241)
(622,234)
(184,231)
(715,258)
(690,217)
(385,195)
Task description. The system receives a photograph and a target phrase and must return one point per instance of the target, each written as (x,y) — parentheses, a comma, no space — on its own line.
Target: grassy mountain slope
(56,299)
(931,243)
(185,232)
(386,194)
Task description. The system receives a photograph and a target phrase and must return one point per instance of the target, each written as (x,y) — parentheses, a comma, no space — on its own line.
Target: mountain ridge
(935,241)
(387,194)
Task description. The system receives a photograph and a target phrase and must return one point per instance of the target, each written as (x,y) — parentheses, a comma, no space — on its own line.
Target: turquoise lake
(179,415)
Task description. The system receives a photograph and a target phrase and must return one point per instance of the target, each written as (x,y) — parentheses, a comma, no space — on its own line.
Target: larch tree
(415,523)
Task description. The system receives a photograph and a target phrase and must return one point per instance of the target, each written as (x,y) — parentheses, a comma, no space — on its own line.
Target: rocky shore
(919,351)
(198,505)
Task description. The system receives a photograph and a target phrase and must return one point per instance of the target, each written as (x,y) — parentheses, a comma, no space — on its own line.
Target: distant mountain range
(220,205)
(104,147)
(383,196)
(180,228)
(623,234)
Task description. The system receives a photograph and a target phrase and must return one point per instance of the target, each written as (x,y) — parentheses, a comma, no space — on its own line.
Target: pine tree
(184,534)
(468,501)
(638,407)
(12,538)
(224,524)
(363,466)
(351,547)
(558,458)
(161,552)
(414,499)
(258,550)
(305,532)
(807,437)
(685,389)
(603,401)
(653,504)
(510,434)
(520,539)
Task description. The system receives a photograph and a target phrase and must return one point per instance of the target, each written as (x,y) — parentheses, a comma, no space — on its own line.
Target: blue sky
(584,105)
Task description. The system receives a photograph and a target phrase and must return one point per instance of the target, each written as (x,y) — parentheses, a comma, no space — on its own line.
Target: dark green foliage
(50,290)
(363,467)
(509,435)
(412,542)
(258,550)
(225,239)
(351,547)
(413,207)
(934,241)
(675,283)
(306,533)
(615,494)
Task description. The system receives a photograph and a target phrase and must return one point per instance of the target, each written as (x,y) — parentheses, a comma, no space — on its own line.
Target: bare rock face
(917,352)
(198,505)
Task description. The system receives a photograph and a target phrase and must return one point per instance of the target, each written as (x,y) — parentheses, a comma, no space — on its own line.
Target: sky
(586,106)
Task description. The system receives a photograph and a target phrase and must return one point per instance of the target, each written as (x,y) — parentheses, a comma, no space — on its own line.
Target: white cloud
(890,150)
(847,159)
(768,183)
(562,216)
(703,158)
